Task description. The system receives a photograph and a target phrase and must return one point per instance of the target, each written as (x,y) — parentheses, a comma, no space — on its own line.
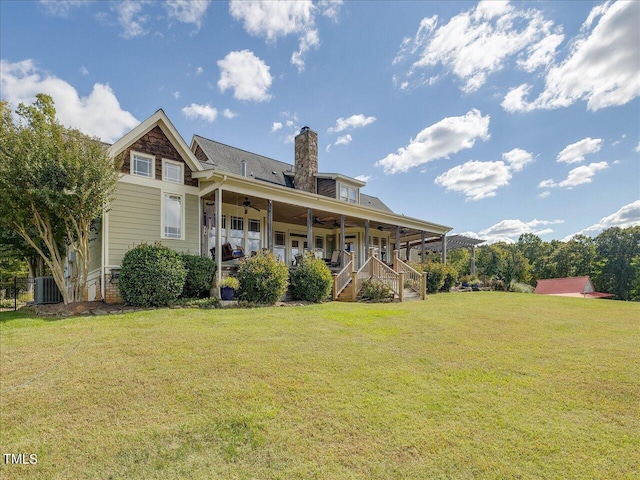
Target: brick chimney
(306,160)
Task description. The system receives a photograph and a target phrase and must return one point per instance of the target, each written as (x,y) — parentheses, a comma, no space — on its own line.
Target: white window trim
(152,158)
(348,187)
(166,161)
(164,193)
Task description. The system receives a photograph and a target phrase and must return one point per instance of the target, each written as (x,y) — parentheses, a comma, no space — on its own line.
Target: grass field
(474,385)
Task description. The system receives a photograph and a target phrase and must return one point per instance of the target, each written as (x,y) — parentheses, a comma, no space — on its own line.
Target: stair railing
(342,278)
(415,280)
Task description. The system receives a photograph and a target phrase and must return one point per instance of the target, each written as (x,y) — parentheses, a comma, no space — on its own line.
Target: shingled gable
(214,155)
(158,119)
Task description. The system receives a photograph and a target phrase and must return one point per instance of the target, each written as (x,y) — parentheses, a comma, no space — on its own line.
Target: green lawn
(474,385)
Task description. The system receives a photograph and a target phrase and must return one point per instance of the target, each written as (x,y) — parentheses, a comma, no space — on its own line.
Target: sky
(494,118)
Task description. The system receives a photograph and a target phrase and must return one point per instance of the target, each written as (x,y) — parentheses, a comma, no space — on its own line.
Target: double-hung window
(142,165)
(172,216)
(348,194)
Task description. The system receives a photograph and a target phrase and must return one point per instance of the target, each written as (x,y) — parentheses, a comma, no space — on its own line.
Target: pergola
(443,243)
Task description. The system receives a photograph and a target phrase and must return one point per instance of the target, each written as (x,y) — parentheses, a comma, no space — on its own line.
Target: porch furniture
(335,258)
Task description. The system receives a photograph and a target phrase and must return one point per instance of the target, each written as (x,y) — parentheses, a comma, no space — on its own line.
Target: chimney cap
(304,129)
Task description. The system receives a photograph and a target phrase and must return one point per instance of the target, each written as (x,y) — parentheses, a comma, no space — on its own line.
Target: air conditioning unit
(46,291)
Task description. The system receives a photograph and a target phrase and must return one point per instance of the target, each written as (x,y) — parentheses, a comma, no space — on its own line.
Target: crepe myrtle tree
(53,181)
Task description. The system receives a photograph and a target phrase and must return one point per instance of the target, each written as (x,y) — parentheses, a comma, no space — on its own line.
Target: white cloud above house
(577,176)
(626,216)
(344,140)
(478,180)
(276,126)
(446,137)
(61,8)
(187,11)
(478,42)
(575,152)
(510,230)
(354,121)
(97,114)
(602,68)
(200,112)
(226,113)
(271,20)
(131,19)
(247,75)
(363,178)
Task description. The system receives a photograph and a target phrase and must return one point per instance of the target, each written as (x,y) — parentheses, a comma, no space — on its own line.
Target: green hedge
(312,280)
(262,279)
(151,276)
(200,272)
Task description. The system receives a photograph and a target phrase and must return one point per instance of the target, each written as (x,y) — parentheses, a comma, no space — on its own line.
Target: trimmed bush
(262,279)
(450,277)
(200,271)
(436,272)
(151,276)
(312,280)
(520,287)
(376,290)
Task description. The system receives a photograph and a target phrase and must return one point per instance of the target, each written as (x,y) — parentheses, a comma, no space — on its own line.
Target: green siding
(95,248)
(135,217)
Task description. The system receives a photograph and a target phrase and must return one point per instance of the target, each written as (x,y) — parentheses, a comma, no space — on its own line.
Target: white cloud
(576,152)
(475,179)
(517,159)
(130,18)
(510,230)
(354,121)
(187,11)
(247,75)
(199,71)
(577,176)
(61,8)
(478,42)
(448,136)
(330,8)
(638,147)
(627,216)
(544,194)
(363,178)
(204,112)
(276,126)
(602,68)
(84,71)
(226,113)
(97,114)
(343,140)
(279,19)
(176,94)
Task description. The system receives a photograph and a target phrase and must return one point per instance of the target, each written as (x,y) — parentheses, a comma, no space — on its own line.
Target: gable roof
(229,159)
(559,286)
(160,119)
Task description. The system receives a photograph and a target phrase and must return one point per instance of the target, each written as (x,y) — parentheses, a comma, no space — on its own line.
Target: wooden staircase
(346,295)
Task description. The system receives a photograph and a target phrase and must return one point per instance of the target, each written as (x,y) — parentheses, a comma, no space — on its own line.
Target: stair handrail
(342,278)
(363,274)
(382,272)
(416,280)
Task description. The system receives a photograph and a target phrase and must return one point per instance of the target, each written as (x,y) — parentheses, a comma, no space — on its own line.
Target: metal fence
(17,292)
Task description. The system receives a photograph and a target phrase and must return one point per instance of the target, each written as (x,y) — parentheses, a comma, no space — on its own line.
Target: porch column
(270,225)
(218,201)
(397,238)
(310,230)
(422,246)
(342,236)
(444,249)
(366,239)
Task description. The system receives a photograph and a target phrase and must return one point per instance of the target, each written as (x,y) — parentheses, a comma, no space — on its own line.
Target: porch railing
(412,278)
(380,271)
(342,278)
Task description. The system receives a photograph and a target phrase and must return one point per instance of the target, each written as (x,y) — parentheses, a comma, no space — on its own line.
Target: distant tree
(460,260)
(53,179)
(616,266)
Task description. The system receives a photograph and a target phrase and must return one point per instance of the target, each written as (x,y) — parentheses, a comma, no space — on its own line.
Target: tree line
(611,259)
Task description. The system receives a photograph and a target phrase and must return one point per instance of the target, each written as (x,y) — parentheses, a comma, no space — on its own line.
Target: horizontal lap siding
(135,218)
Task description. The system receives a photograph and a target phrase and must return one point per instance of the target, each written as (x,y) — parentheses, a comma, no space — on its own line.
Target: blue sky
(494,118)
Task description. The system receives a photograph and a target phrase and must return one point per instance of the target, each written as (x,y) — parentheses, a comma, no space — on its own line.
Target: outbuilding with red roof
(570,287)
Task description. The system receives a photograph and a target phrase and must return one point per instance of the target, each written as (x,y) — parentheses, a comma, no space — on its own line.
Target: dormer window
(348,194)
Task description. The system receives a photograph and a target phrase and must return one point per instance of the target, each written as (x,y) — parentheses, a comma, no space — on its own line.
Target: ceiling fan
(317,221)
(247,205)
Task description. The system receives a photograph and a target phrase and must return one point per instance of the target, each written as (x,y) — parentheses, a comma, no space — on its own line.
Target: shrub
(151,276)
(375,289)
(497,285)
(312,280)
(262,279)
(450,277)
(200,271)
(435,276)
(520,287)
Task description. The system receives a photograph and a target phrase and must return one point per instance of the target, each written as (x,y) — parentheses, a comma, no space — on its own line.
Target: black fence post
(15,293)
